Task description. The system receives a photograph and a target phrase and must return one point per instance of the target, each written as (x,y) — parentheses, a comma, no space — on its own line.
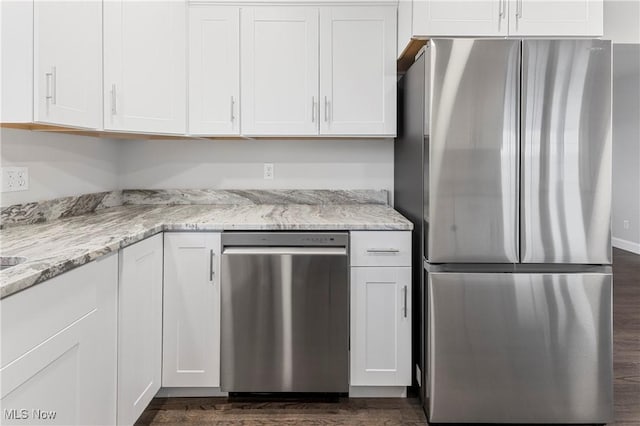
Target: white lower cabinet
(380,309)
(191,342)
(139,327)
(59,349)
(380,326)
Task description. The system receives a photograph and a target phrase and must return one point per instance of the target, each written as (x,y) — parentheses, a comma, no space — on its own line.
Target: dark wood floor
(626,337)
(363,411)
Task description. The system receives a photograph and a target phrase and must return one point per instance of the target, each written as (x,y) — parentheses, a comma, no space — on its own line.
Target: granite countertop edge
(37,270)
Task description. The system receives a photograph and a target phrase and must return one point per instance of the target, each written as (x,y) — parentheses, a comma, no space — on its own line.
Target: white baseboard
(377,391)
(187,392)
(626,245)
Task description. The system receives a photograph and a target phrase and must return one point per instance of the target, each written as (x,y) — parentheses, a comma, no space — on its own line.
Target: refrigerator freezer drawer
(520,348)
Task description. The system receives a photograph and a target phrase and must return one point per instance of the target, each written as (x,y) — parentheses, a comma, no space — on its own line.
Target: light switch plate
(15,179)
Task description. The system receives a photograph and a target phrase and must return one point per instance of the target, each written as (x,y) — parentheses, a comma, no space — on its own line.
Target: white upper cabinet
(16,61)
(68,63)
(310,71)
(556,18)
(279,71)
(460,18)
(214,70)
(538,18)
(358,71)
(145,66)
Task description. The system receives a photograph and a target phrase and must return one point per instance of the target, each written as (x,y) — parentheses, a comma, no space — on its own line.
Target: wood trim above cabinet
(408,55)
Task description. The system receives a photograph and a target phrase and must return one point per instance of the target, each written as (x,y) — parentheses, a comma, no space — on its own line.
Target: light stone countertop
(58,246)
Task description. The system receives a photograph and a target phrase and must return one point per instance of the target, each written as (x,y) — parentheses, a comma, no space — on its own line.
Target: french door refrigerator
(503,163)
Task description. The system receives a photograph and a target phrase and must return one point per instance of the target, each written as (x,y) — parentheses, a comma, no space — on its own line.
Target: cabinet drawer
(381,248)
(36,314)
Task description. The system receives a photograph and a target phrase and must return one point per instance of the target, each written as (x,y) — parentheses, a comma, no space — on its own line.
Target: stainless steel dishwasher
(285,312)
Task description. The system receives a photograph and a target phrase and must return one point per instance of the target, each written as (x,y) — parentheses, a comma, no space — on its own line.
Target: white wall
(59,165)
(626,147)
(622,27)
(62,165)
(299,164)
(622,21)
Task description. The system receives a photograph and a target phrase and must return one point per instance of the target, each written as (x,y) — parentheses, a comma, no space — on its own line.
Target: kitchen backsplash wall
(66,165)
(298,164)
(59,165)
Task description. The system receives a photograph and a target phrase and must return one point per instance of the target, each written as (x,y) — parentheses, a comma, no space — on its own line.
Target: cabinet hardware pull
(326,109)
(383,250)
(232,104)
(313,109)
(211,273)
(519,9)
(48,76)
(113,100)
(404,309)
(54,96)
(501,10)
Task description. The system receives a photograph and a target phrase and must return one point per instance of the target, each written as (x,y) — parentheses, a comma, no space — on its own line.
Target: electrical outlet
(268,170)
(15,179)
(625,224)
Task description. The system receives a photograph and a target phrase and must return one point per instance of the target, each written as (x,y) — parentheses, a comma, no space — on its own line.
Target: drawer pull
(383,250)
(211,273)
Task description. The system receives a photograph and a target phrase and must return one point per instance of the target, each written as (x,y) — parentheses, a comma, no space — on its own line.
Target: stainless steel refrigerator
(503,163)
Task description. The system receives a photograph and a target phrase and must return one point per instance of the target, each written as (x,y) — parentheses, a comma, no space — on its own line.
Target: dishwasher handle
(302,251)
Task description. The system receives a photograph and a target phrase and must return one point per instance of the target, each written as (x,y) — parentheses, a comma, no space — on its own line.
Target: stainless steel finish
(383,250)
(520,348)
(10,261)
(474,149)
(54,89)
(232,108)
(113,99)
(284,312)
(308,251)
(410,155)
(326,109)
(515,312)
(50,79)
(517,268)
(566,151)
(313,109)
(211,273)
(48,76)
(284,239)
(404,304)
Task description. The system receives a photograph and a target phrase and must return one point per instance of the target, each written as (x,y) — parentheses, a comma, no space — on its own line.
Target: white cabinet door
(16,61)
(460,18)
(145,66)
(191,342)
(139,327)
(380,326)
(59,349)
(358,71)
(214,70)
(279,70)
(556,18)
(68,63)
